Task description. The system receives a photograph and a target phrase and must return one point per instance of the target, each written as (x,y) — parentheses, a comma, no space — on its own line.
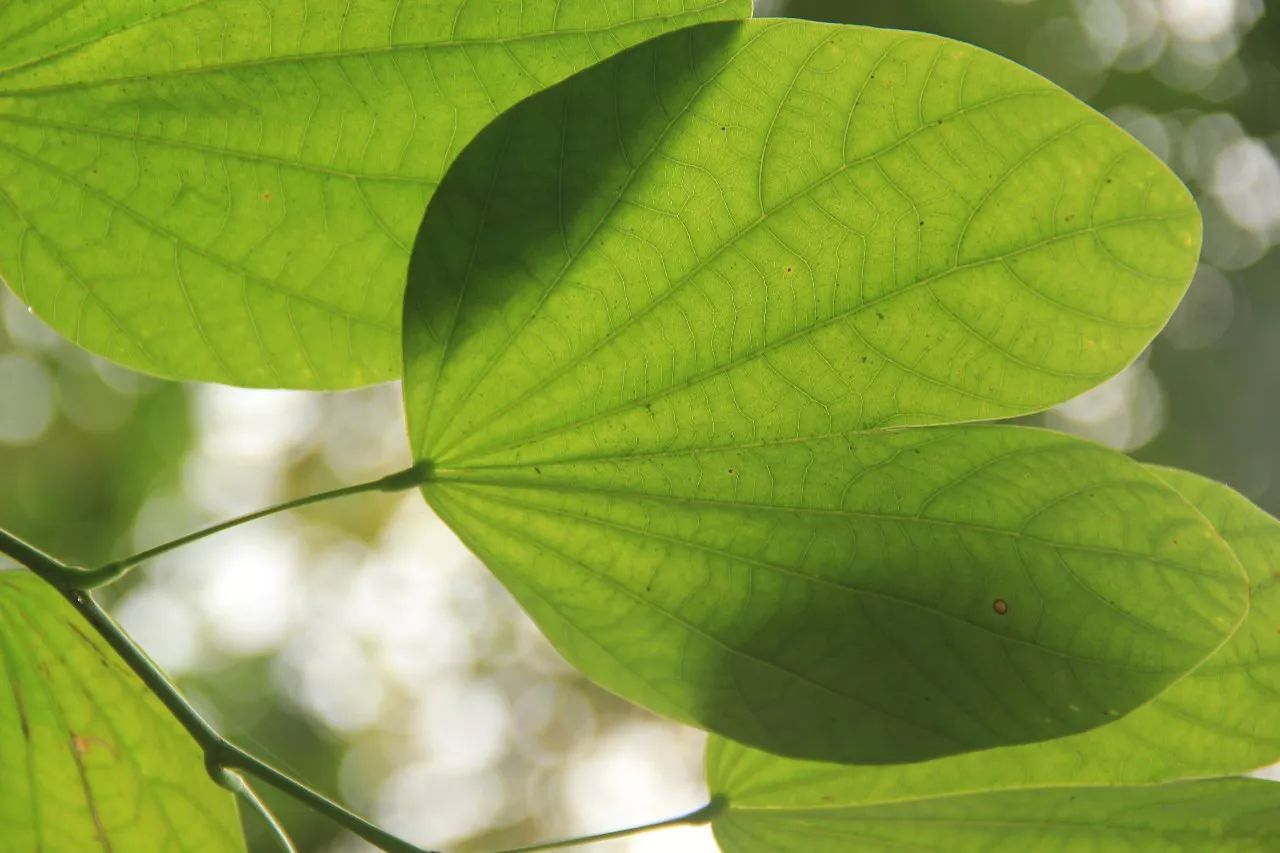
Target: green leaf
(661,319)
(1221,719)
(227,190)
(1218,815)
(781,228)
(871,597)
(89,758)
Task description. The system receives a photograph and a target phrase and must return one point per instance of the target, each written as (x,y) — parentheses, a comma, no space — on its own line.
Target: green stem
(51,570)
(233,783)
(400,481)
(695,818)
(220,754)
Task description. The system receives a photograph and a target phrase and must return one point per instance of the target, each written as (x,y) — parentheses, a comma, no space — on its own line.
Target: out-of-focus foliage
(358,645)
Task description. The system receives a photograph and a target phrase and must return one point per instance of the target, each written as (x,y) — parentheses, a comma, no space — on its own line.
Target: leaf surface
(872,597)
(661,362)
(89,758)
(1222,719)
(774,229)
(227,190)
(1219,815)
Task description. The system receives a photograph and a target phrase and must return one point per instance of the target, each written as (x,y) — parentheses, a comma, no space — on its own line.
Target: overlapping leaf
(89,758)
(227,189)
(1219,815)
(1222,719)
(663,319)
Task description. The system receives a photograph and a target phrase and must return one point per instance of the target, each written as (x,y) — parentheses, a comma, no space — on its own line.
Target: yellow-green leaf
(662,360)
(227,190)
(89,758)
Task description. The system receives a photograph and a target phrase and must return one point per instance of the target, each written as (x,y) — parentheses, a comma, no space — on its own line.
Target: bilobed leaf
(89,758)
(870,597)
(664,326)
(1218,815)
(227,190)
(780,228)
(1222,719)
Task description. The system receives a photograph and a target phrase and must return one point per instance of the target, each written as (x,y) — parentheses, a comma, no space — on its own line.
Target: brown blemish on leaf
(22,711)
(84,745)
(1000,606)
(266,196)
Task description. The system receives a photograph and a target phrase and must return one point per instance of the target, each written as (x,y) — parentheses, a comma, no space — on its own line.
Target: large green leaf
(655,358)
(227,189)
(1218,815)
(89,758)
(1223,718)
(780,228)
(877,596)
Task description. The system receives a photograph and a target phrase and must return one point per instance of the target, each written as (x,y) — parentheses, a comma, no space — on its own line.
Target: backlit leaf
(227,190)
(1217,815)
(658,359)
(1221,719)
(89,758)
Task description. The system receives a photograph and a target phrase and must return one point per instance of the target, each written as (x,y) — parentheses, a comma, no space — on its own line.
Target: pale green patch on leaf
(1217,815)
(1222,719)
(227,190)
(662,318)
(89,758)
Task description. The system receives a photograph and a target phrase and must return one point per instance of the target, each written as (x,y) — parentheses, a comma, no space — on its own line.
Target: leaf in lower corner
(1222,814)
(227,190)
(89,758)
(662,364)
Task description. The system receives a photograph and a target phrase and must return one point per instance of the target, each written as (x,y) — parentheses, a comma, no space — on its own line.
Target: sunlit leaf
(1217,815)
(881,596)
(228,189)
(655,359)
(89,758)
(1221,719)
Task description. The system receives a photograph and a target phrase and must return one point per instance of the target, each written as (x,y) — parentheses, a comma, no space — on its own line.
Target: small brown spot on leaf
(1000,606)
(266,196)
(733,471)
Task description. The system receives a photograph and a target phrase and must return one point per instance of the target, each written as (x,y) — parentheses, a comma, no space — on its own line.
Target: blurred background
(359,645)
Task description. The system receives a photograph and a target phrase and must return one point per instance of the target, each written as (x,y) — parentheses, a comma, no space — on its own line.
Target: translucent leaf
(227,190)
(664,324)
(1218,815)
(89,758)
(769,230)
(1221,719)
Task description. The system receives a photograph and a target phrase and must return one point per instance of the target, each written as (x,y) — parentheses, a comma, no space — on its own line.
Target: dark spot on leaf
(22,711)
(1000,606)
(266,196)
(732,471)
(864,359)
(790,270)
(878,314)
(922,222)
(537,470)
